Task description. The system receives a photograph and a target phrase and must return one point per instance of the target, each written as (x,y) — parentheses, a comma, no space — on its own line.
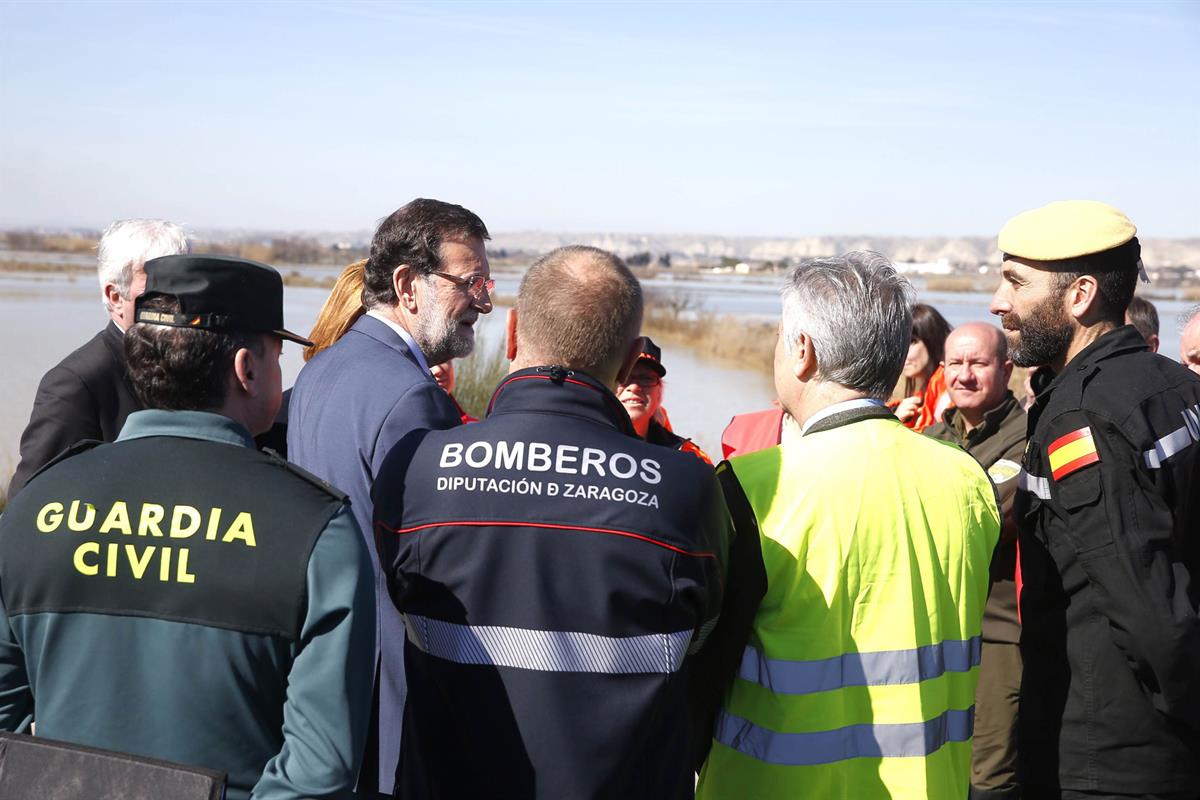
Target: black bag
(32,768)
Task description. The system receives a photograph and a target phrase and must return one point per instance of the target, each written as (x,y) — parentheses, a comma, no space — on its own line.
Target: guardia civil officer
(1110,701)
(177,594)
(554,570)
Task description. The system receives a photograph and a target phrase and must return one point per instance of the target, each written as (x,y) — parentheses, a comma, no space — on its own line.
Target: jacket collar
(114,339)
(556,390)
(992,419)
(846,413)
(1124,339)
(186,424)
(381,332)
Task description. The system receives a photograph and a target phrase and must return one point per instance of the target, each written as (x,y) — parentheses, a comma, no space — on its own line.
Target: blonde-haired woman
(342,309)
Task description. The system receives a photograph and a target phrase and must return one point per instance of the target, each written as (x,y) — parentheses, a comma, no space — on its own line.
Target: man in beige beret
(1109,518)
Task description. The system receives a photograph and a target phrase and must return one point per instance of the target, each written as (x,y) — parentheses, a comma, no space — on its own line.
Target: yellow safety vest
(859,681)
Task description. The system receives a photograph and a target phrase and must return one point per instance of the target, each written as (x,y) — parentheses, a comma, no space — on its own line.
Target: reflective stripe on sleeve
(1167,446)
(548,651)
(840,744)
(885,667)
(1033,484)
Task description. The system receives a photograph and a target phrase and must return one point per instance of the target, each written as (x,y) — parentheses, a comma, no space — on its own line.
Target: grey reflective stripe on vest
(853,741)
(1034,484)
(548,651)
(860,669)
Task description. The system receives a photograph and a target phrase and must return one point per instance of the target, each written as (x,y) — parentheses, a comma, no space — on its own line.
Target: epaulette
(300,472)
(74,450)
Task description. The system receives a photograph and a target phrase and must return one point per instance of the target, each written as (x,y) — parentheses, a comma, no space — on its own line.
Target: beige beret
(1066,229)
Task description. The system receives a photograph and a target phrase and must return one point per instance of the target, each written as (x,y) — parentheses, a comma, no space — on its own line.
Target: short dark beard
(439,337)
(1042,336)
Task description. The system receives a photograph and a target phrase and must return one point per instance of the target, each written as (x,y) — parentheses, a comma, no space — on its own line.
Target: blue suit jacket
(350,404)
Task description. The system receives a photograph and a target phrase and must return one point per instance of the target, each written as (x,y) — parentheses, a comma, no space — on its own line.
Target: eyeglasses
(476,284)
(646,380)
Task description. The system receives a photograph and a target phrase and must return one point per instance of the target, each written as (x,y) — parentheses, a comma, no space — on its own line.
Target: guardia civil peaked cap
(1066,229)
(217,293)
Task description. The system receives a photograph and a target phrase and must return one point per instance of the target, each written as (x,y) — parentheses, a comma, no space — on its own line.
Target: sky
(771,119)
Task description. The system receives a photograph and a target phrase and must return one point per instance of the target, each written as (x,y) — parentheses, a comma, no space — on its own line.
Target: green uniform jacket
(284,716)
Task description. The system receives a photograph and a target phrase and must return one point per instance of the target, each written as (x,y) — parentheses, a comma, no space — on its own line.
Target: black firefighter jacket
(555,574)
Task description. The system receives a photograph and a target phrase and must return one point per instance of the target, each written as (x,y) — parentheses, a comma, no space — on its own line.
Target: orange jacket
(936,398)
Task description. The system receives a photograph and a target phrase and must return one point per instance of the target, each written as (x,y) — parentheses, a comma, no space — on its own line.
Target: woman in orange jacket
(924,391)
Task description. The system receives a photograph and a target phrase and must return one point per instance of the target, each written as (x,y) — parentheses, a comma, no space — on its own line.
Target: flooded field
(45,317)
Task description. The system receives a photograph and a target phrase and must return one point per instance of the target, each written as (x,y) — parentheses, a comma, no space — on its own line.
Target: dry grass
(730,341)
(44,266)
(476,377)
(958,283)
(296,278)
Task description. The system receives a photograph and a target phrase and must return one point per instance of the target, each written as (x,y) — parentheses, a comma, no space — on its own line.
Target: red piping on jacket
(500,388)
(486,524)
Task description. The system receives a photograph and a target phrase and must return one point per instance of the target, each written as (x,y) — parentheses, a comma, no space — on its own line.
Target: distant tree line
(284,250)
(646,258)
(290,250)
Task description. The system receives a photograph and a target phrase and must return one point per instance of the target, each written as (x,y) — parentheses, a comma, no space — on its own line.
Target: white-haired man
(1189,342)
(87,395)
(859,678)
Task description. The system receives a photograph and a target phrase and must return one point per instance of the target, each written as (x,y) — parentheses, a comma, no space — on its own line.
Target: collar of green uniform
(187,424)
(992,419)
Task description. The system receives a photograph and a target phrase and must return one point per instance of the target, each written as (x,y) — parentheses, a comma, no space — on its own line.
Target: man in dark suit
(87,395)
(424,285)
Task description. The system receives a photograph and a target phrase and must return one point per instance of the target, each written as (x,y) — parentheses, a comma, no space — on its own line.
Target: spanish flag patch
(1072,452)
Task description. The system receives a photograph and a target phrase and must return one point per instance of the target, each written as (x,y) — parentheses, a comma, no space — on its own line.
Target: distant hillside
(961,250)
(334,247)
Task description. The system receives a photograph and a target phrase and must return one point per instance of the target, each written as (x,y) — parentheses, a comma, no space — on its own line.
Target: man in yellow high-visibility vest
(858,676)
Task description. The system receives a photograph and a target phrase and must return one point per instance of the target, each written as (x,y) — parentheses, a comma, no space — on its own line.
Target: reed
(958,283)
(731,341)
(476,377)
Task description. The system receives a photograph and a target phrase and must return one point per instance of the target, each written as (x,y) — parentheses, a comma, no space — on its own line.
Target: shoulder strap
(74,450)
(300,472)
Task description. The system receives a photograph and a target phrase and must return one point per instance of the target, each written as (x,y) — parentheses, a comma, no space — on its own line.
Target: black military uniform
(1111,695)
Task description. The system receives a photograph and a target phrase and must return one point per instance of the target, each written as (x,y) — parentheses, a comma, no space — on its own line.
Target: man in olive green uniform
(988,422)
(178,595)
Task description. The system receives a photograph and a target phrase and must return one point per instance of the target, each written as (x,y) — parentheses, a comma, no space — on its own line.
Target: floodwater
(45,317)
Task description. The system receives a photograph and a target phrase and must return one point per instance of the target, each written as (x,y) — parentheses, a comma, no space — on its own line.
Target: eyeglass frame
(658,379)
(486,283)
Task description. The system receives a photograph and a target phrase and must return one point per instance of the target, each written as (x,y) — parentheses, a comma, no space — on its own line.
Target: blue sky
(780,119)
